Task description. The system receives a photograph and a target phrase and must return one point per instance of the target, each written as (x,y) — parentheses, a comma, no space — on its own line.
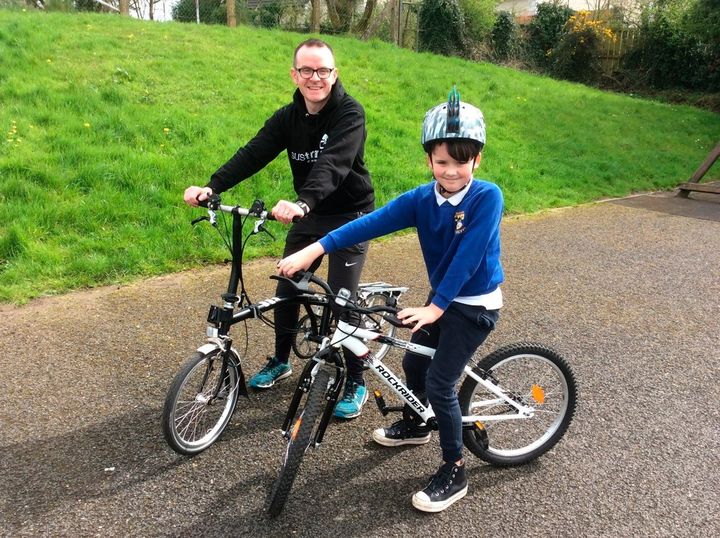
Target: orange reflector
(538,394)
(295,429)
(377,393)
(479,425)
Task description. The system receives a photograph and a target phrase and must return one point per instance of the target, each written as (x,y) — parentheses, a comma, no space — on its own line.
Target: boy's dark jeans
(455,336)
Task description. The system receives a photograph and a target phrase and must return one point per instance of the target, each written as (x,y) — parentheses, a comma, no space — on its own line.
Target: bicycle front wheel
(532,375)
(302,432)
(200,402)
(303,344)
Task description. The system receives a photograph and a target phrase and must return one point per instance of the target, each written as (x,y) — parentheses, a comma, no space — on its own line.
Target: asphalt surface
(628,291)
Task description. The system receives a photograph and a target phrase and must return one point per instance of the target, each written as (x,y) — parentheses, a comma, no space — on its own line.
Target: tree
(545,30)
(208,11)
(441,27)
(342,14)
(479,17)
(504,36)
(677,46)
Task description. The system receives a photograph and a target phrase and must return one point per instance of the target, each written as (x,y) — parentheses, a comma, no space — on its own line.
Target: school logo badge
(459,222)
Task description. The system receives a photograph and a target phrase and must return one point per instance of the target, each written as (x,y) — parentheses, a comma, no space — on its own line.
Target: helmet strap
(443,190)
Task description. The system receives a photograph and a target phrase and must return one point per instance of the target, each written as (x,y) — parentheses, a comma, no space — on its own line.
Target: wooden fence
(611,55)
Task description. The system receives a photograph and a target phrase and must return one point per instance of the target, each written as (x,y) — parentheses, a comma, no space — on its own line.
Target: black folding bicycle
(204,394)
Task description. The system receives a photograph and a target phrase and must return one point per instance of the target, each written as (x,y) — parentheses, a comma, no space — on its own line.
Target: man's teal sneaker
(273,371)
(354,397)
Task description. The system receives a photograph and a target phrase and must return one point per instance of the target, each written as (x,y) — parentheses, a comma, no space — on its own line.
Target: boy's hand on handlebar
(193,195)
(300,260)
(285,211)
(424,315)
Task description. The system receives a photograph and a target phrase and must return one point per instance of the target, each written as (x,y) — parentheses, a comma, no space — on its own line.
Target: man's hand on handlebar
(424,315)
(285,211)
(194,195)
(302,259)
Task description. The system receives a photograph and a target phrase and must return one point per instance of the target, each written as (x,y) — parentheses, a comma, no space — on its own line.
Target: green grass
(107,120)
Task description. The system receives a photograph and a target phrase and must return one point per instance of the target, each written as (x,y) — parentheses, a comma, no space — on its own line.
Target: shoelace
(350,391)
(269,366)
(441,480)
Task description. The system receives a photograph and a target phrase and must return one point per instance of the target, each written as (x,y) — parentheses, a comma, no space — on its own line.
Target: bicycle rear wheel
(302,432)
(533,375)
(377,323)
(192,418)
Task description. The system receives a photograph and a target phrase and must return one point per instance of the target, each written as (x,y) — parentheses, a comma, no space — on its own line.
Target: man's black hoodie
(325,150)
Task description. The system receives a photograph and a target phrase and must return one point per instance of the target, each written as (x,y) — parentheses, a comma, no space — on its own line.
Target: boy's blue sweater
(460,244)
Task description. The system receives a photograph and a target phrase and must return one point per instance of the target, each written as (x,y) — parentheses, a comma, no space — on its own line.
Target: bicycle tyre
(191,422)
(537,376)
(385,327)
(302,432)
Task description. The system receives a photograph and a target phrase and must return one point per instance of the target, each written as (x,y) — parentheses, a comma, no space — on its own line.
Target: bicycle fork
(326,356)
(223,346)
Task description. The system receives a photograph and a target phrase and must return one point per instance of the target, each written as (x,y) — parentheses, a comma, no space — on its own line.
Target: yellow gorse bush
(584,21)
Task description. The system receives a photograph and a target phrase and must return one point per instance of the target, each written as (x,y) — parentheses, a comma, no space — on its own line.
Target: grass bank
(107,120)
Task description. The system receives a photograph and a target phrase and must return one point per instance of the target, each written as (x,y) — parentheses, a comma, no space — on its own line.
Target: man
(323,131)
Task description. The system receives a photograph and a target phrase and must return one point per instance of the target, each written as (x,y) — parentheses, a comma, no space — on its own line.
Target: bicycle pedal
(481,434)
(380,401)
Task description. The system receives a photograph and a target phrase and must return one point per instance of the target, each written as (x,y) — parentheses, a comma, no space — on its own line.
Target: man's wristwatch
(302,205)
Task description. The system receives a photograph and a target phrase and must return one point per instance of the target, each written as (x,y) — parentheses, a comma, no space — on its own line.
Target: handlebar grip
(398,323)
(393,320)
(212,201)
(269,216)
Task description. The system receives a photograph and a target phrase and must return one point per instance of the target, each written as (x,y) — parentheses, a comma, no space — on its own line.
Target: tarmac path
(628,291)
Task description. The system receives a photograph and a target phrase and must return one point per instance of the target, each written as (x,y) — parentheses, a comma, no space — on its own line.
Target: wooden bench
(693,184)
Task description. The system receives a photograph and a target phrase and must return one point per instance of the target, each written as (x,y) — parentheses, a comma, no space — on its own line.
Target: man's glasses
(322,72)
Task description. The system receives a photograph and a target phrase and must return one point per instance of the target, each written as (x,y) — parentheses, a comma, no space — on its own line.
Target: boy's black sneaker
(447,486)
(401,433)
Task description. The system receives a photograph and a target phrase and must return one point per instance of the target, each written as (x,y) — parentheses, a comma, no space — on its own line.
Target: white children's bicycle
(517,402)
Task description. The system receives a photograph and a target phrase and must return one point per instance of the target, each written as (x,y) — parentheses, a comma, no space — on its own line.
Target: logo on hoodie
(310,156)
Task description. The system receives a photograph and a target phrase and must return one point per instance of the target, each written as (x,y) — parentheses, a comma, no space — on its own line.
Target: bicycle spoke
(192,420)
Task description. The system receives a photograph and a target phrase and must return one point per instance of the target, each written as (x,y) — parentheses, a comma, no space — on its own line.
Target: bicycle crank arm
(384,408)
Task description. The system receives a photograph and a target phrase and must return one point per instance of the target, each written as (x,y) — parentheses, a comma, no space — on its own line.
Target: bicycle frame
(351,337)
(222,318)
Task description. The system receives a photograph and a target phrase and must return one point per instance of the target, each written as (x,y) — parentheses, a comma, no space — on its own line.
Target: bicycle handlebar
(212,203)
(343,299)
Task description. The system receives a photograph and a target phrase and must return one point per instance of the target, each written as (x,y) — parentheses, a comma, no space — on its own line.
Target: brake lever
(260,227)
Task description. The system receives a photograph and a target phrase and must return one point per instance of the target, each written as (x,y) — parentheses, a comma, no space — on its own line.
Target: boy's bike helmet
(453,119)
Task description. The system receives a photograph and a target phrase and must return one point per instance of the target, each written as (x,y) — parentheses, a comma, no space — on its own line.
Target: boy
(457,219)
